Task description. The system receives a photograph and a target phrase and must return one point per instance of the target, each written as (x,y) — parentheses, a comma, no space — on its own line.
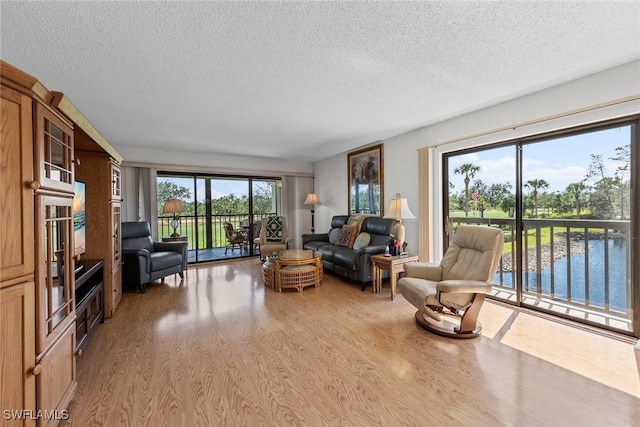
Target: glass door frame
(634,206)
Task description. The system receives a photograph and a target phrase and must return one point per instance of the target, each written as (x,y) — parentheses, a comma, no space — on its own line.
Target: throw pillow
(348,234)
(361,241)
(356,220)
(333,235)
(274,229)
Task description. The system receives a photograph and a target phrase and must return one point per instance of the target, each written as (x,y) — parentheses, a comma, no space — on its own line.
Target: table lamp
(399,210)
(173,206)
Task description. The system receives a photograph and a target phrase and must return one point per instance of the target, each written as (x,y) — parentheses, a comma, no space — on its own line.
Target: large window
(567,209)
(214,204)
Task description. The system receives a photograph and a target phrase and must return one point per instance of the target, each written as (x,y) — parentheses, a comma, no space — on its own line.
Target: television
(79,223)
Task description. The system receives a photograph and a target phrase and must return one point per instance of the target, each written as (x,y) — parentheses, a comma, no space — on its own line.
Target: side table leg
(393,284)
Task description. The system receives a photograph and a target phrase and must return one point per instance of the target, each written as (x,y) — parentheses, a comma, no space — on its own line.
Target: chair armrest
(180,247)
(314,238)
(464,286)
(136,252)
(423,270)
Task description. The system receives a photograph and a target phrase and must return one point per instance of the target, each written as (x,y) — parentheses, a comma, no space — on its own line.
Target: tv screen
(79,224)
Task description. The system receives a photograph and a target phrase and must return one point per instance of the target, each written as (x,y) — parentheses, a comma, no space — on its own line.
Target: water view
(618,298)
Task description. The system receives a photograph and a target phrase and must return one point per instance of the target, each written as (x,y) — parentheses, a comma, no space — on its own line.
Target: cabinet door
(55,301)
(17,388)
(54,151)
(113,286)
(116,192)
(56,381)
(16,198)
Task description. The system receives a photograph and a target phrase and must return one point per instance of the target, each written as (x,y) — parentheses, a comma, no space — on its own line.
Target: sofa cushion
(327,252)
(347,236)
(315,245)
(333,235)
(346,258)
(361,241)
(162,260)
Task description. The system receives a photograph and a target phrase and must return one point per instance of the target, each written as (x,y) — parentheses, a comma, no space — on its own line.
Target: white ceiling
(303,80)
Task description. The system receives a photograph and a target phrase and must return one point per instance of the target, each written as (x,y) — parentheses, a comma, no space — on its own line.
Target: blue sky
(560,161)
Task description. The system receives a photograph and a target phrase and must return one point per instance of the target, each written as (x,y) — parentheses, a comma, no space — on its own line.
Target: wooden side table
(180,238)
(394,265)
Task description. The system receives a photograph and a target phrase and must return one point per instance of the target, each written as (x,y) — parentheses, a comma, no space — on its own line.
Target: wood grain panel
(17,388)
(56,384)
(218,348)
(16,198)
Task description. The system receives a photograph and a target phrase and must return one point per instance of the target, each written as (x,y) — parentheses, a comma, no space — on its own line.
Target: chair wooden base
(448,326)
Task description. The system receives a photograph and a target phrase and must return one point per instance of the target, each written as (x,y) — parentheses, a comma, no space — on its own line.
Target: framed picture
(366,181)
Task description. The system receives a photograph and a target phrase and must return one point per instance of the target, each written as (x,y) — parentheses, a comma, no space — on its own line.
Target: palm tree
(535,185)
(469,170)
(576,190)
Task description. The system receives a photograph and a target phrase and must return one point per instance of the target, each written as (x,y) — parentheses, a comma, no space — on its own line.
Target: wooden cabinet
(56,376)
(17,388)
(103,221)
(55,301)
(54,150)
(38,133)
(17,268)
(16,197)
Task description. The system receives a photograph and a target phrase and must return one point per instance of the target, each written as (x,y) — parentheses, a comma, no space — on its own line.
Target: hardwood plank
(217,348)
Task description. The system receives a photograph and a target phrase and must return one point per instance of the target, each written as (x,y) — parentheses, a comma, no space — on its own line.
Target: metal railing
(207,232)
(579,263)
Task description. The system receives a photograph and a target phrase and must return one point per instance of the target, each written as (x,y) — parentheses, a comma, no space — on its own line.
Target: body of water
(618,264)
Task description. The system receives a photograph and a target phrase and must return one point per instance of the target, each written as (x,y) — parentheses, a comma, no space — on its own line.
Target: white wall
(213,163)
(583,99)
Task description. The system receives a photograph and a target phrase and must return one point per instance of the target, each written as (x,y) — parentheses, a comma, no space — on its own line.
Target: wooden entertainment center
(50,300)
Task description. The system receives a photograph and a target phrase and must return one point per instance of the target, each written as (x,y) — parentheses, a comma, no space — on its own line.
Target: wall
(214,163)
(586,94)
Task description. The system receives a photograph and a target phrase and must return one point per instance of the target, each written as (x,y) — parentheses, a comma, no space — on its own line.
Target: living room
(218,348)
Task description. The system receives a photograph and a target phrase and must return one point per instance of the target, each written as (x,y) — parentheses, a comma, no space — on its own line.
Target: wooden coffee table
(394,265)
(294,268)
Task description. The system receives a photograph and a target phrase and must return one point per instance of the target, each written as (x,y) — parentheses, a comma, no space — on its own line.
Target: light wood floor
(219,349)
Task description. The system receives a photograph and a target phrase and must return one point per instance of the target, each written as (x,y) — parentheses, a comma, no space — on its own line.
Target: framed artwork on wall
(366,181)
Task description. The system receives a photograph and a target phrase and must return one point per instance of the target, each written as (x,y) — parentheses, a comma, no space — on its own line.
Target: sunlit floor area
(218,349)
(576,311)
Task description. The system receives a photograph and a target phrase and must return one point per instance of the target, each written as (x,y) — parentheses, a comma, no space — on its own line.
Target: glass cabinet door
(54,151)
(55,269)
(116,219)
(116,192)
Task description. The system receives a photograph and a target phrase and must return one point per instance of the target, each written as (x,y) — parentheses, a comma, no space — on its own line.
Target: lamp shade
(173,206)
(312,199)
(399,209)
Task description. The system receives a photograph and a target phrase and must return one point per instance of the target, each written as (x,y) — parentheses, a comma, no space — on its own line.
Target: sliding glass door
(565,204)
(221,214)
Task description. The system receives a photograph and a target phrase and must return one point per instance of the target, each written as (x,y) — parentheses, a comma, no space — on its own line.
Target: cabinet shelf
(89,286)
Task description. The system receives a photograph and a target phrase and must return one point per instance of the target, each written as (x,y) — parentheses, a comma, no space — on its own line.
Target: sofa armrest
(372,250)
(464,287)
(323,237)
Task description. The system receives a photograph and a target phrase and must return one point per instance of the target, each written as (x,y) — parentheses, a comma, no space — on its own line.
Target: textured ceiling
(303,80)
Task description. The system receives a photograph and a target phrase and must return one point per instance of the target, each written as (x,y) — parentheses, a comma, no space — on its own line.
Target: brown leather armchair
(449,295)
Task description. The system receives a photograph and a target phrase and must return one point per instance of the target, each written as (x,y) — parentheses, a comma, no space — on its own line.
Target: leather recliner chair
(145,260)
(449,295)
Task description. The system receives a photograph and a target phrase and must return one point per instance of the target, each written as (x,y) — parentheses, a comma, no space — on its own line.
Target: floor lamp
(312,200)
(399,210)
